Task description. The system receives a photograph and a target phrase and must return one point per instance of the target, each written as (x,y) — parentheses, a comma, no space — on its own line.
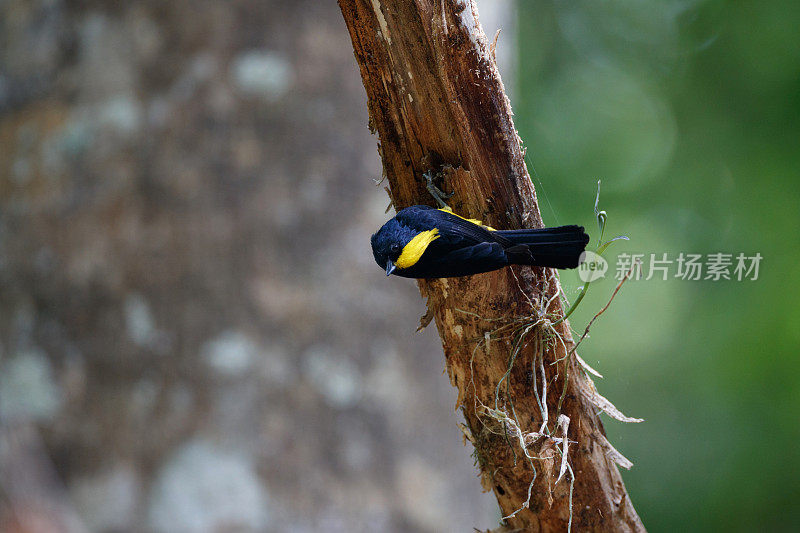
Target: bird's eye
(394,248)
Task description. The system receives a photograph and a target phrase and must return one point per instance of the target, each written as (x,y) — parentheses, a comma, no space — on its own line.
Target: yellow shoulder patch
(473,220)
(415,248)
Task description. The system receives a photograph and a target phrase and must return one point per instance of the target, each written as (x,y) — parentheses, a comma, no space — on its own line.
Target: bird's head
(388,244)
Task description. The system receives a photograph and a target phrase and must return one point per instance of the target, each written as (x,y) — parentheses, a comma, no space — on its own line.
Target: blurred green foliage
(688,111)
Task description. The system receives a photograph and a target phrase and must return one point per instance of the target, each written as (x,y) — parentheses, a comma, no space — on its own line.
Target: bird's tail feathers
(559,247)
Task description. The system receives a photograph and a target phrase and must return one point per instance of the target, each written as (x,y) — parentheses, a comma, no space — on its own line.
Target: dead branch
(437,103)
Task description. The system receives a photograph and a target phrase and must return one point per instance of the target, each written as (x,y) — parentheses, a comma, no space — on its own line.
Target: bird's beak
(390,267)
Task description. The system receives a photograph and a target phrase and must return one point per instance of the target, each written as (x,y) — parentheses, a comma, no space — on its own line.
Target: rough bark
(436,100)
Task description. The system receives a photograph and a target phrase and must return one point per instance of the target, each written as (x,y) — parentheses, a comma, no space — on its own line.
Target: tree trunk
(437,103)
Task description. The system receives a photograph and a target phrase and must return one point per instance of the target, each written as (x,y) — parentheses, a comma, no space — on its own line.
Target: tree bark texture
(437,102)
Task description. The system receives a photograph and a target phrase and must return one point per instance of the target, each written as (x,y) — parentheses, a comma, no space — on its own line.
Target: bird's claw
(439,195)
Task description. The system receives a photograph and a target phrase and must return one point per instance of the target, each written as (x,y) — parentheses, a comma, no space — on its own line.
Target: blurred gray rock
(108,500)
(207,488)
(333,375)
(28,390)
(232,353)
(262,73)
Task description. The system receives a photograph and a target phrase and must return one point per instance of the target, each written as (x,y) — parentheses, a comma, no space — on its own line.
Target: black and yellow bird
(424,242)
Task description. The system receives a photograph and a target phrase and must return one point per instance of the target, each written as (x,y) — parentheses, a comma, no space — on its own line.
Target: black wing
(453,230)
(463,261)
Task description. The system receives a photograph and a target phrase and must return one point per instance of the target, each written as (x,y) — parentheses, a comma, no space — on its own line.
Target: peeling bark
(437,102)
